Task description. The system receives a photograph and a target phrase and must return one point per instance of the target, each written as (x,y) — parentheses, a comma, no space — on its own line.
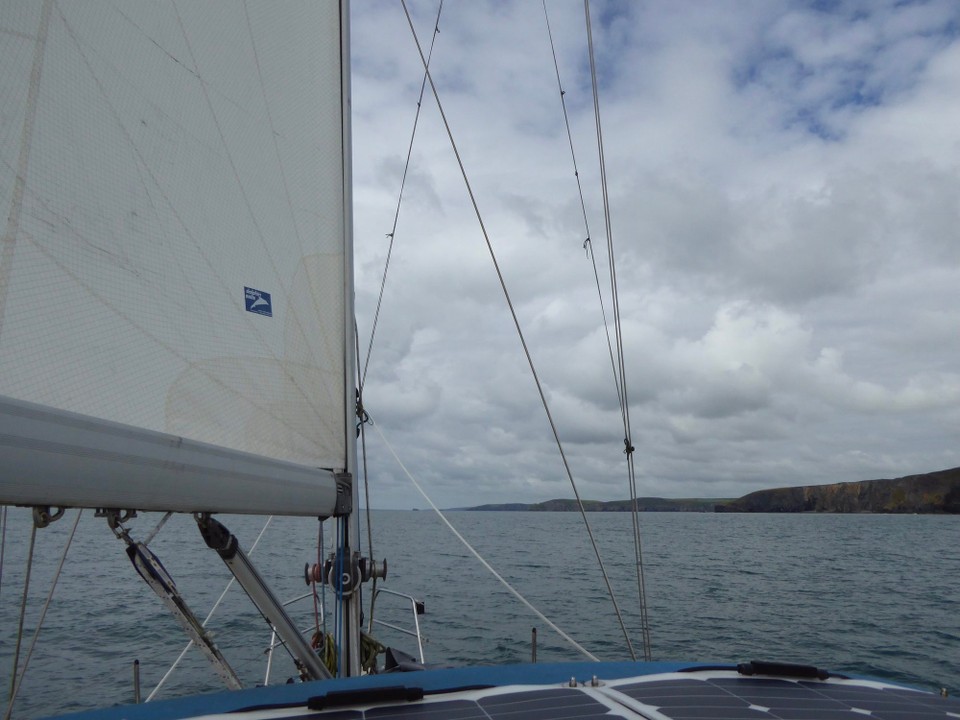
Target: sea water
(865,594)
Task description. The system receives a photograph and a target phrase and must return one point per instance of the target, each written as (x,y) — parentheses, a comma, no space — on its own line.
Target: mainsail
(175,293)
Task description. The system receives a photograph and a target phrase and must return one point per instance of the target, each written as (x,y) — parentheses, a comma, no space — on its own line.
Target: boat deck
(579,691)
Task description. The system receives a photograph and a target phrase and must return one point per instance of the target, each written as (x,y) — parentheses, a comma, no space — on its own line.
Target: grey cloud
(784,189)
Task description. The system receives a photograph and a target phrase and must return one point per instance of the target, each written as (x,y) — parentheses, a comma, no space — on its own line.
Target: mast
(351,610)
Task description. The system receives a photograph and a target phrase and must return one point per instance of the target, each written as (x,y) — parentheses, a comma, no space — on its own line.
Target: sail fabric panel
(178,263)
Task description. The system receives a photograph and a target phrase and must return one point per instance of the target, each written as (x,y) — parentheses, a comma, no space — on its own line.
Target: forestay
(175,270)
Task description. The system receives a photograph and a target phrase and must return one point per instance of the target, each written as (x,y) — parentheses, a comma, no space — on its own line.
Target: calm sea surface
(872,594)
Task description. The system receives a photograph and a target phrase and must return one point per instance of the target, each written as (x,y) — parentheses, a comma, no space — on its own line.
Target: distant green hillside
(647,504)
(936,492)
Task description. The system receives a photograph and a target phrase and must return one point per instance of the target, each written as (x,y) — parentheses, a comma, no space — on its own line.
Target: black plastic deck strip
(330,715)
(446,710)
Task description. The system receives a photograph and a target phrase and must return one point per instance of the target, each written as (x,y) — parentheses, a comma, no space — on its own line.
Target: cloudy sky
(784,182)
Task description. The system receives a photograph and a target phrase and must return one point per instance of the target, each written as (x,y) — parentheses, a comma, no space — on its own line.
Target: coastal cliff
(936,492)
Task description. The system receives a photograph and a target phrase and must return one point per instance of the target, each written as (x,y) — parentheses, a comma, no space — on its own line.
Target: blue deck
(430,681)
(626,690)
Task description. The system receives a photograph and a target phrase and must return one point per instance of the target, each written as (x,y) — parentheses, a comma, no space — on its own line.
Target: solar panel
(674,696)
(761,698)
(540,704)
(544,705)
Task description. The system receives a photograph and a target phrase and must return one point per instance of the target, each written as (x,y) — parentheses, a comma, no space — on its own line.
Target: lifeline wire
(624,407)
(477,555)
(43,612)
(523,342)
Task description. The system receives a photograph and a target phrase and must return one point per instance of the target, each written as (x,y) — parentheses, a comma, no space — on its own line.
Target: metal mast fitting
(219,538)
(149,567)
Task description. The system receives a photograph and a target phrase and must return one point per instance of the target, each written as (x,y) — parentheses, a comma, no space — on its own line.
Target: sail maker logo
(257,301)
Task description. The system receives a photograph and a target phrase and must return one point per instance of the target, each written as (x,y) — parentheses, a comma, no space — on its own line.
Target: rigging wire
(339,609)
(376,316)
(323,586)
(361,415)
(588,242)
(476,554)
(213,609)
(618,372)
(43,612)
(361,421)
(403,182)
(23,610)
(3,541)
(618,328)
(153,533)
(316,601)
(366,493)
(516,322)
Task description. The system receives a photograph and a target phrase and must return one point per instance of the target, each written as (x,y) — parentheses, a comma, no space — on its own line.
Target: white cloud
(785,192)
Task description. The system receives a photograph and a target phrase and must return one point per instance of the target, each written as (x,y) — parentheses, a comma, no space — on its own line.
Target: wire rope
(43,612)
(376,316)
(210,614)
(516,323)
(153,533)
(403,182)
(363,460)
(3,541)
(323,586)
(477,555)
(588,242)
(618,328)
(23,611)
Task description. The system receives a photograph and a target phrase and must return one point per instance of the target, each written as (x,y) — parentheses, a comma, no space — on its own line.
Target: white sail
(175,256)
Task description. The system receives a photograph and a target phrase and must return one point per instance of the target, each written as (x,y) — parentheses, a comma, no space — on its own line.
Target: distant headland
(936,492)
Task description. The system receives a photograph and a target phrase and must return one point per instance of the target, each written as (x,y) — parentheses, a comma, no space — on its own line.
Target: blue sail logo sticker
(257,301)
